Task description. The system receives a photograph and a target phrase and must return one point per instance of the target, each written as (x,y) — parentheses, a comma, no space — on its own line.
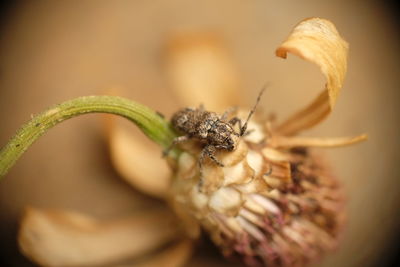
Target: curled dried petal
(316,40)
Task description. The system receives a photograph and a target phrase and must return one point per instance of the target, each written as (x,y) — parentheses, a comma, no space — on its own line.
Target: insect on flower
(265,203)
(214,131)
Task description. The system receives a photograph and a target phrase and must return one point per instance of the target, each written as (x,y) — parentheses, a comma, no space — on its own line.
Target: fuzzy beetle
(214,131)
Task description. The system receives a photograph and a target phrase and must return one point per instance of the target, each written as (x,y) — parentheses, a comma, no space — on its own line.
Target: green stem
(153,125)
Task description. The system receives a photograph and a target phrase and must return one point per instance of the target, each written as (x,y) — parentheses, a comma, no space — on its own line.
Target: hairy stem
(152,125)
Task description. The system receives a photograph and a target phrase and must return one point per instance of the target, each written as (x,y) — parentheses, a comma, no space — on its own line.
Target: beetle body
(206,127)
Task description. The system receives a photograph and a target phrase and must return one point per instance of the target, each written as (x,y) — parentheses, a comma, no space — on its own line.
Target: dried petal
(175,255)
(275,155)
(230,158)
(60,238)
(238,174)
(316,40)
(200,71)
(279,174)
(226,200)
(215,177)
(188,164)
(300,141)
(139,164)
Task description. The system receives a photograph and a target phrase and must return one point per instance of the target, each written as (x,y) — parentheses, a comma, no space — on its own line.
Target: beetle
(214,131)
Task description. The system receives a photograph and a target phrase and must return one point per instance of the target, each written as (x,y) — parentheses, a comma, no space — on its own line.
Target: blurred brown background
(51,51)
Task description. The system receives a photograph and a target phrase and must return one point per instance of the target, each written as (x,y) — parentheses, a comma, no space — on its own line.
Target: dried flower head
(272,201)
(271,206)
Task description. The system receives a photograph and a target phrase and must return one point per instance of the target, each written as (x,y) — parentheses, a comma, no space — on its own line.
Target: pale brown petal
(138,163)
(175,255)
(316,40)
(200,71)
(60,238)
(299,141)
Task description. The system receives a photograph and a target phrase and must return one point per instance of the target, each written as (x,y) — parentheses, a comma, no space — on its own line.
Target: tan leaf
(200,71)
(316,40)
(60,238)
(138,163)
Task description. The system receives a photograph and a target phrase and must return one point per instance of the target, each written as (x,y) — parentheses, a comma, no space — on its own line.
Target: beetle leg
(177,140)
(228,112)
(243,131)
(235,120)
(209,151)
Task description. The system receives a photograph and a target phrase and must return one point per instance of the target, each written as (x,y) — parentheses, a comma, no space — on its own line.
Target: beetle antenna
(244,128)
